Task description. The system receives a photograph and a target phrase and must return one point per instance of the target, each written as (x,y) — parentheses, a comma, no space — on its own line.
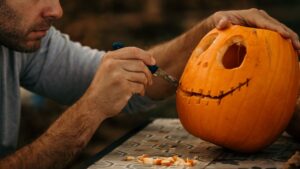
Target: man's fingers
(284,31)
(294,37)
(273,24)
(137,88)
(137,66)
(276,25)
(254,18)
(128,53)
(223,23)
(137,78)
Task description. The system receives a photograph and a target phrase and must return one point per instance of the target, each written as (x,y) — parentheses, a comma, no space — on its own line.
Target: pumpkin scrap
(162,161)
(293,162)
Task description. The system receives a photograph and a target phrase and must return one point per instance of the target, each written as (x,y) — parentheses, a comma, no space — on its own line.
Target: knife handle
(119,45)
(152,68)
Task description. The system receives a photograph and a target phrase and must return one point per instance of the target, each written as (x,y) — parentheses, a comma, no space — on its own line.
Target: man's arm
(61,142)
(120,74)
(172,56)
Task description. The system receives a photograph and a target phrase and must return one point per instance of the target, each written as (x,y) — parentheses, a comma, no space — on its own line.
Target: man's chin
(28,47)
(23,46)
(32,46)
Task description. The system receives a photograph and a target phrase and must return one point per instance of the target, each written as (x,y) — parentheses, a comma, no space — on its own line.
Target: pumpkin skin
(239,88)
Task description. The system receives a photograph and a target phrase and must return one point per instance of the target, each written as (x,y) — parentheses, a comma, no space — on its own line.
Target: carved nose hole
(234,56)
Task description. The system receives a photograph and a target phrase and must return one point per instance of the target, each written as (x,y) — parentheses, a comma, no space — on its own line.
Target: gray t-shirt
(61,70)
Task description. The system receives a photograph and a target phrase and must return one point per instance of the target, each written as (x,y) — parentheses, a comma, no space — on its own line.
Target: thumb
(223,23)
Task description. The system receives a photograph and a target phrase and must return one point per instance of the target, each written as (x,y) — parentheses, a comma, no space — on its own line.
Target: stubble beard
(12,33)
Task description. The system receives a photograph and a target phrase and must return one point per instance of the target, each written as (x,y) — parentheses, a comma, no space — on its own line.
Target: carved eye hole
(234,56)
(208,41)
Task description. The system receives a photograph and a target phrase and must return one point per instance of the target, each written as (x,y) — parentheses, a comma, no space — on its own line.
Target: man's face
(23,23)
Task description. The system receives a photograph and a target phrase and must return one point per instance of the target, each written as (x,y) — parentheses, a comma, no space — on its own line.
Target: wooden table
(167,137)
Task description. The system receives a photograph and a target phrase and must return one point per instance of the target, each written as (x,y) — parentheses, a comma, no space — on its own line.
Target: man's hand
(121,74)
(253,18)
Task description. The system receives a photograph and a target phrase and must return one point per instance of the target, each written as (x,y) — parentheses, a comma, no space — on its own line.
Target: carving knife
(154,69)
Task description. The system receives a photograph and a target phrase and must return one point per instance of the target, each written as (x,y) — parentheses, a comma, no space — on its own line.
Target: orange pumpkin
(239,88)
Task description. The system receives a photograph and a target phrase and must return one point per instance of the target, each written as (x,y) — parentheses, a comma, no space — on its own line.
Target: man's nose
(53,10)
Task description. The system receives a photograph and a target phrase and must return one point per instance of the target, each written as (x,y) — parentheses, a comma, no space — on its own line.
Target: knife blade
(154,69)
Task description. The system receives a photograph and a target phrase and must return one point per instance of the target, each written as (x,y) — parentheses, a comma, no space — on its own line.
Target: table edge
(85,164)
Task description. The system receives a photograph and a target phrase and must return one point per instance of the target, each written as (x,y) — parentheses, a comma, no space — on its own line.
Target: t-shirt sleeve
(62,70)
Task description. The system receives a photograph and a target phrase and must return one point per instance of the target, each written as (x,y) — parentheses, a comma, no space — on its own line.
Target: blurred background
(141,23)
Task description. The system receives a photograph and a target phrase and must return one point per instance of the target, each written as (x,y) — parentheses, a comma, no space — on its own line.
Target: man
(98,85)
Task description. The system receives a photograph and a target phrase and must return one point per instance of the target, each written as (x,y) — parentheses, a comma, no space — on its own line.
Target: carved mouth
(221,94)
